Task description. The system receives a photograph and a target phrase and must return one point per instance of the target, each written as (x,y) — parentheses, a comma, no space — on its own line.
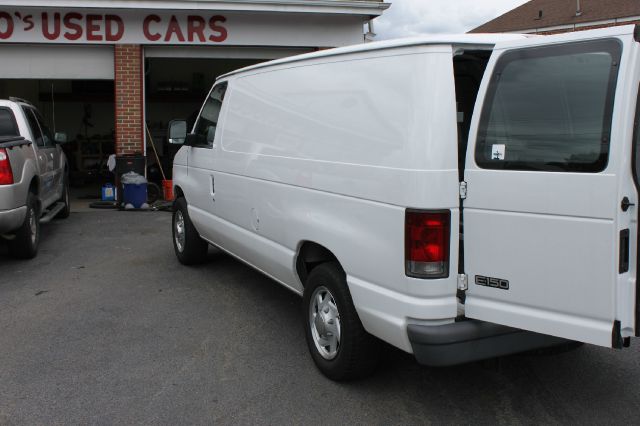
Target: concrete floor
(106,327)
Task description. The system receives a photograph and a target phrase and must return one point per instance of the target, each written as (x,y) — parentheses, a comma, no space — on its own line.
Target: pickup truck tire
(339,345)
(64,213)
(27,237)
(189,247)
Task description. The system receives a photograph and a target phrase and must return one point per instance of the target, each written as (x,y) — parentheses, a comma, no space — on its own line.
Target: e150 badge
(492,282)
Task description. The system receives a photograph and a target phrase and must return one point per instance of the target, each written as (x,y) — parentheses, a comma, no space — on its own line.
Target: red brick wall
(128,99)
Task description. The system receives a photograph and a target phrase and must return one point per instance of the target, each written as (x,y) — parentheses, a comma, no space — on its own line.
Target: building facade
(112,73)
(559,16)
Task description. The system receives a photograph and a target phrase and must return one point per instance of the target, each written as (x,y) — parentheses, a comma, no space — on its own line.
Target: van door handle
(213,189)
(625,204)
(624,252)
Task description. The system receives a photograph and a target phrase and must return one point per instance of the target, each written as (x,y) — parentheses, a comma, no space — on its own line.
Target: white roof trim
(354,7)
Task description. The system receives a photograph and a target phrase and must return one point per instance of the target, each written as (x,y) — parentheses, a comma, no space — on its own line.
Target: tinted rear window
(550,108)
(8,126)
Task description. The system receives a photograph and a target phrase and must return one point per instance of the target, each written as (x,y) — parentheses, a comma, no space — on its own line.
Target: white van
(457,197)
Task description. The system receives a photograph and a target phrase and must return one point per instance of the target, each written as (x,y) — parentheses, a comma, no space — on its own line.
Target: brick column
(128,99)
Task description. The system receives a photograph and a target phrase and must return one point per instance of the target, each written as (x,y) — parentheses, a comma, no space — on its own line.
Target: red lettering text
(195,26)
(222,31)
(173,28)
(145,28)
(93,26)
(74,29)
(110,35)
(6,21)
(50,35)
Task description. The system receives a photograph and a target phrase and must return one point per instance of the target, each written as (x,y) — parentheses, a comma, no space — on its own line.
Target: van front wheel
(339,344)
(189,247)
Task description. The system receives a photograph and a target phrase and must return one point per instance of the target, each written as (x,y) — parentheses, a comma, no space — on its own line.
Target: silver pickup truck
(34,184)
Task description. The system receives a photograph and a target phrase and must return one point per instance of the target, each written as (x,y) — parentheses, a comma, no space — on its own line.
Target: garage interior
(73,88)
(84,110)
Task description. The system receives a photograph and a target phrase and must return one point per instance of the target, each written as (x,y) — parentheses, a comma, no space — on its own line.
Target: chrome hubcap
(33,226)
(178,228)
(324,320)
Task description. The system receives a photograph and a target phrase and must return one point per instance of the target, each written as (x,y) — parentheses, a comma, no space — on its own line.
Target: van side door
(201,160)
(550,216)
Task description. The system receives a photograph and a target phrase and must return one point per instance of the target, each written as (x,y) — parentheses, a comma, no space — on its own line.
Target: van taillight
(6,175)
(426,240)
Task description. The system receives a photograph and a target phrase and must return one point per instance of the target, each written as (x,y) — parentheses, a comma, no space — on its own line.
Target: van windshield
(550,108)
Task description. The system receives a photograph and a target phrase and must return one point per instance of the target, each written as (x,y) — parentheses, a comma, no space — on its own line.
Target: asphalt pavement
(106,327)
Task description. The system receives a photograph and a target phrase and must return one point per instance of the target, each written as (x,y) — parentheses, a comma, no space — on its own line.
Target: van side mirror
(60,137)
(177,132)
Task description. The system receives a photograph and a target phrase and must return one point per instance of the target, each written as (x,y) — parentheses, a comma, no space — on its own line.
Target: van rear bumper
(472,340)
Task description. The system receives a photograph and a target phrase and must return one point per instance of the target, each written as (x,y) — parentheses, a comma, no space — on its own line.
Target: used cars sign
(42,26)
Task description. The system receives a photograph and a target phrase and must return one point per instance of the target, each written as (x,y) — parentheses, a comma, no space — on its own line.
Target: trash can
(134,193)
(125,164)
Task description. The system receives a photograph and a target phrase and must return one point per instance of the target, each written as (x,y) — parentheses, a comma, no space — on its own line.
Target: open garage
(75,96)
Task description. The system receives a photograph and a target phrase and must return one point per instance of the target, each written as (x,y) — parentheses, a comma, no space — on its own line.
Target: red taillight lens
(6,175)
(426,240)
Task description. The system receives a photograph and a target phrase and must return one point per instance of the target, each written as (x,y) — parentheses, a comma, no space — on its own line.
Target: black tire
(358,352)
(27,237)
(104,205)
(190,250)
(66,211)
(154,193)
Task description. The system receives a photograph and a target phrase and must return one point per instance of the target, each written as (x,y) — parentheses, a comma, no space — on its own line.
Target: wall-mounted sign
(90,26)
(204,28)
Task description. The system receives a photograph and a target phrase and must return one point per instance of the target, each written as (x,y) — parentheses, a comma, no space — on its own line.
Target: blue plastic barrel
(135,194)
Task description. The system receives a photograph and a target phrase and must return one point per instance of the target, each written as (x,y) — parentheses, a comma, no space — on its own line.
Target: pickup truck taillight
(426,239)
(6,175)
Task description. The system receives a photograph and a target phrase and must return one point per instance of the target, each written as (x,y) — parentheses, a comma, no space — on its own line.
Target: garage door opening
(84,110)
(175,88)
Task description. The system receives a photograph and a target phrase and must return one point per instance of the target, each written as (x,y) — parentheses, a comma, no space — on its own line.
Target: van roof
(459,39)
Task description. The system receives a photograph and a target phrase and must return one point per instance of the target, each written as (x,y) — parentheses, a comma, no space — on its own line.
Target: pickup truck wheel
(339,344)
(189,247)
(27,237)
(64,213)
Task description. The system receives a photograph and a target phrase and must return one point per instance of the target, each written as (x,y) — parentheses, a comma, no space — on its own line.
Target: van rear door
(550,215)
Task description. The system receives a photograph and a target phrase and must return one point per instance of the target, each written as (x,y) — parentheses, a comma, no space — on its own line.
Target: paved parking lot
(105,327)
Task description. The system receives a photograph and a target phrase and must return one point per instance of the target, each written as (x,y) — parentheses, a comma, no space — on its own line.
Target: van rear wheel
(339,344)
(189,247)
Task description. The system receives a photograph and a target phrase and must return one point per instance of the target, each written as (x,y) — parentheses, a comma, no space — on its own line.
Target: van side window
(550,108)
(208,120)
